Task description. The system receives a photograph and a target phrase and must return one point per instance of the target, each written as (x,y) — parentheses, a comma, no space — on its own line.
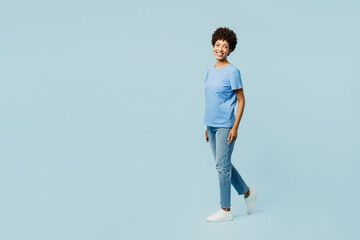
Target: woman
(223,88)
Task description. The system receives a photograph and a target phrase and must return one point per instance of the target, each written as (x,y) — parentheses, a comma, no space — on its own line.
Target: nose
(220,49)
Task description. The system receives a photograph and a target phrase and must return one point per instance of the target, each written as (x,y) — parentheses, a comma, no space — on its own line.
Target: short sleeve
(207,73)
(235,80)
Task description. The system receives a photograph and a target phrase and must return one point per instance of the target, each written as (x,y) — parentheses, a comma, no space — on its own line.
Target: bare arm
(241,105)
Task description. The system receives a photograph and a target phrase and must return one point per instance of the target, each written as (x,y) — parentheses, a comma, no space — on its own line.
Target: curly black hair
(224,33)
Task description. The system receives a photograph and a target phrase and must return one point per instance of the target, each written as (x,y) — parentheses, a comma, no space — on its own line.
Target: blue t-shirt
(220,97)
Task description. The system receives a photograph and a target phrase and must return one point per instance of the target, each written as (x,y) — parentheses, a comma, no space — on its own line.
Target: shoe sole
(224,220)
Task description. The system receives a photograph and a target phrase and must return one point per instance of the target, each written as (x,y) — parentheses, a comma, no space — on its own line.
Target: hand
(206,136)
(232,135)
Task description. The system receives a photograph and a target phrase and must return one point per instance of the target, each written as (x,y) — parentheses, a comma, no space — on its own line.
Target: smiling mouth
(220,54)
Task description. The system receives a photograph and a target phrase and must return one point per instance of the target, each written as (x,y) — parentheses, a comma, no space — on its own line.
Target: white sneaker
(250,200)
(220,216)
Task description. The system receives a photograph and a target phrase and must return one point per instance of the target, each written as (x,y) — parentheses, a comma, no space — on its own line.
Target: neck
(221,63)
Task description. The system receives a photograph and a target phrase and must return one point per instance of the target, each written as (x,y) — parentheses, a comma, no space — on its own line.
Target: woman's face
(221,49)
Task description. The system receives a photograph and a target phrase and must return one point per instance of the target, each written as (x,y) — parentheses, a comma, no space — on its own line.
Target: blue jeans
(227,172)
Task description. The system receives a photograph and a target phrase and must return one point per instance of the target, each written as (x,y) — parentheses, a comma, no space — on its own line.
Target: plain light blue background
(102,105)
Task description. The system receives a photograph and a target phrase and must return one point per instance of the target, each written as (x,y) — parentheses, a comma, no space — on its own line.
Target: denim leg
(223,165)
(237,181)
(222,155)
